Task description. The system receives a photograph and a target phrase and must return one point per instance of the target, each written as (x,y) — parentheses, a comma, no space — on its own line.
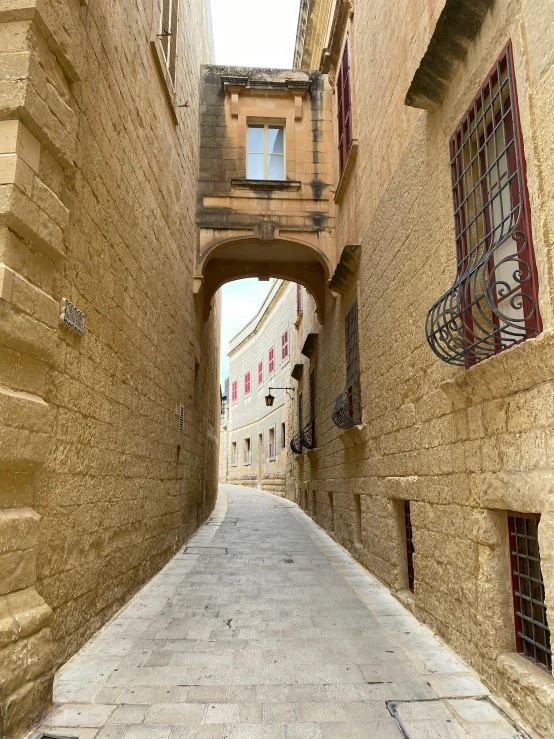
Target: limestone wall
(98,167)
(463,446)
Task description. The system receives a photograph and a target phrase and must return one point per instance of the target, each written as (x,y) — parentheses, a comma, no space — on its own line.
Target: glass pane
(256,139)
(276,167)
(276,140)
(255,167)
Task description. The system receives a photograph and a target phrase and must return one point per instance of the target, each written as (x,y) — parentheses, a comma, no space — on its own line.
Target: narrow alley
(263,627)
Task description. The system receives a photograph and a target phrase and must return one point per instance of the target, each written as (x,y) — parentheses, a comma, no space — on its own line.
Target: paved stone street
(263,627)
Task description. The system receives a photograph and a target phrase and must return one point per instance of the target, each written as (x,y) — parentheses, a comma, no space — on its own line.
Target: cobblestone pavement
(262,627)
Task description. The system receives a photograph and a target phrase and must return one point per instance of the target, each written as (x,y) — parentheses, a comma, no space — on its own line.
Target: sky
(251,33)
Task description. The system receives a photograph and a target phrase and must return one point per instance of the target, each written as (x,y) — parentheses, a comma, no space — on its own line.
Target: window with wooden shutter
(271,361)
(284,345)
(344,105)
(234,391)
(247,383)
(260,373)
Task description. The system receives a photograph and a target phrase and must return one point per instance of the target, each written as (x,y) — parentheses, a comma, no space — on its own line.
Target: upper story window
(344,105)
(493,302)
(234,391)
(168,34)
(260,373)
(266,152)
(271,361)
(298,298)
(532,631)
(247,383)
(285,346)
(348,408)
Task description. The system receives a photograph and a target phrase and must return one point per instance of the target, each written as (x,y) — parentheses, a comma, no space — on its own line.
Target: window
(168,34)
(260,373)
(271,361)
(409,544)
(308,433)
(266,152)
(344,104)
(357,529)
(272,443)
(285,346)
(493,303)
(247,383)
(234,453)
(234,391)
(532,632)
(247,452)
(348,407)
(298,298)
(283,436)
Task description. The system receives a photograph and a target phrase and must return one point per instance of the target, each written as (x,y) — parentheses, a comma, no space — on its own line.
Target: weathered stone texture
(463,447)
(97,205)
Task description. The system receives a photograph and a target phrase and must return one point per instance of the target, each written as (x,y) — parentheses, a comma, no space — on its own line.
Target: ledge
(297,371)
(353,436)
(514,370)
(346,268)
(347,171)
(456,28)
(309,345)
(245,184)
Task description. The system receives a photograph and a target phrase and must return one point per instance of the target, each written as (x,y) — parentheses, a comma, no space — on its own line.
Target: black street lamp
(269,398)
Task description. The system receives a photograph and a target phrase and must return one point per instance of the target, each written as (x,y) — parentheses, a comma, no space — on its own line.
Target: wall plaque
(72,316)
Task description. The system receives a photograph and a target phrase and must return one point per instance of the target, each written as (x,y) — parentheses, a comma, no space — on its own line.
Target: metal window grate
(344,105)
(348,406)
(308,433)
(409,544)
(181,417)
(532,631)
(492,304)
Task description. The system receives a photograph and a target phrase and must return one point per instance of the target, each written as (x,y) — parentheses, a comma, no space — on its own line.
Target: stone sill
(406,598)
(312,452)
(353,436)
(514,370)
(525,676)
(245,184)
(167,82)
(347,171)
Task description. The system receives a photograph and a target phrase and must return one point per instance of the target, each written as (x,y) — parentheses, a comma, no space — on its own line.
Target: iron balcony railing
(296,443)
(348,408)
(308,435)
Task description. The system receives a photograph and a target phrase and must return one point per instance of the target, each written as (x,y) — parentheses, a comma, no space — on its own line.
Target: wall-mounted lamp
(269,398)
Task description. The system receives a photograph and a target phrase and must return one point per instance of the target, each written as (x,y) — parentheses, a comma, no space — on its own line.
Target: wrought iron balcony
(308,435)
(296,443)
(348,408)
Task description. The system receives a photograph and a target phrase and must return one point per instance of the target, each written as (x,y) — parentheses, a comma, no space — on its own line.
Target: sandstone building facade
(256,438)
(434,361)
(108,427)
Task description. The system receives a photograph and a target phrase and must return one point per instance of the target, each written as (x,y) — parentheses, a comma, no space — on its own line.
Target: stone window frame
(161,46)
(247,451)
(272,456)
(267,123)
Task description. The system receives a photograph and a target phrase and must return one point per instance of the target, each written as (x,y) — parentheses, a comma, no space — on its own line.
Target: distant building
(255,437)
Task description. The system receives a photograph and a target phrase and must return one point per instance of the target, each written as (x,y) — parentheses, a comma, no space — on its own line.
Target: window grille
(344,104)
(168,33)
(348,408)
(266,152)
(298,298)
(492,304)
(247,383)
(308,433)
(234,391)
(296,441)
(284,346)
(181,417)
(532,632)
(260,373)
(271,361)
(409,544)
(247,452)
(283,435)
